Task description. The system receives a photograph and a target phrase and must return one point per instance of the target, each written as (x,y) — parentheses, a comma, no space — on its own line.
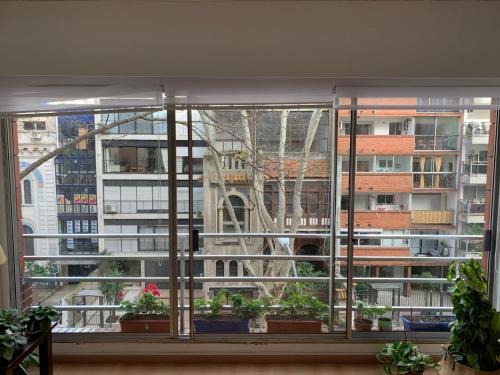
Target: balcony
(144,166)
(471,212)
(378,219)
(433,180)
(436,142)
(149,206)
(378,145)
(367,182)
(474,172)
(444,217)
(477,134)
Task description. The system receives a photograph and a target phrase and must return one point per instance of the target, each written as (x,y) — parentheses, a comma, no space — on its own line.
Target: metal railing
(475,168)
(471,208)
(437,142)
(141,206)
(432,217)
(149,165)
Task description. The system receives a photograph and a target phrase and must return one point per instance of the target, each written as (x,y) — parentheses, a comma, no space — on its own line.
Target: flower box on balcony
(228,324)
(284,324)
(427,323)
(145,324)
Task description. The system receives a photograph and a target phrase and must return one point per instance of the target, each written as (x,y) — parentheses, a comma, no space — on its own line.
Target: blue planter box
(427,326)
(221,326)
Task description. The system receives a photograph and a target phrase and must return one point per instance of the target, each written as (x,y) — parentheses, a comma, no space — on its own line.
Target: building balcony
(150,206)
(433,180)
(471,212)
(145,166)
(442,217)
(378,219)
(378,145)
(367,182)
(477,134)
(436,142)
(474,172)
(370,251)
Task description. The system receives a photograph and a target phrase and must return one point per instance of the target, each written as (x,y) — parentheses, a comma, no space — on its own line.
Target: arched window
(233,268)
(219,268)
(239,212)
(29,243)
(27,196)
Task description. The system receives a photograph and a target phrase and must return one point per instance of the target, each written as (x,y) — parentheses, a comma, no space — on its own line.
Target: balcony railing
(149,206)
(432,217)
(475,168)
(471,208)
(433,180)
(149,165)
(437,142)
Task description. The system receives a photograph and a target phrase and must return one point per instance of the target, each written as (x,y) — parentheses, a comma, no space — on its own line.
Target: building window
(385,199)
(34,125)
(233,268)
(27,193)
(29,242)
(239,211)
(395,128)
(219,268)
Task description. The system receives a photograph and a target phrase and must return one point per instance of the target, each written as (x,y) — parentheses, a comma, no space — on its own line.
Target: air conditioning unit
(110,209)
(36,135)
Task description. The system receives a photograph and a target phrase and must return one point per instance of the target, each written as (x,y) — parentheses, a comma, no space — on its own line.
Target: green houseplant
(210,317)
(365,314)
(10,343)
(40,319)
(146,314)
(298,312)
(11,321)
(473,343)
(404,358)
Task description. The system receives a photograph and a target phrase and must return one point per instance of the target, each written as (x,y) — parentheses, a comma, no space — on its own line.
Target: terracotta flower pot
(450,367)
(145,326)
(363,325)
(293,326)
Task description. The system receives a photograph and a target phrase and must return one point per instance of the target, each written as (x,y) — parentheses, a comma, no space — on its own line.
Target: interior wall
(432,39)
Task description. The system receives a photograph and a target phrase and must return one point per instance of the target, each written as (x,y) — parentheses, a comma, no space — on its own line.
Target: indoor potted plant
(146,314)
(474,341)
(365,315)
(404,358)
(210,317)
(40,319)
(10,343)
(11,321)
(298,312)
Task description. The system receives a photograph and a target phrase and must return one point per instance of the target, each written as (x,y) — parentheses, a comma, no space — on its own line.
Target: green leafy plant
(298,303)
(246,308)
(31,361)
(113,291)
(9,343)
(476,331)
(306,269)
(147,305)
(368,312)
(11,321)
(40,270)
(211,308)
(41,317)
(425,286)
(404,358)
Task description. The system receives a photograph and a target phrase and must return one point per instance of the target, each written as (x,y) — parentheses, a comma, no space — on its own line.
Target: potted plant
(298,312)
(11,321)
(113,292)
(10,343)
(146,314)
(365,314)
(209,317)
(474,341)
(404,358)
(427,322)
(40,319)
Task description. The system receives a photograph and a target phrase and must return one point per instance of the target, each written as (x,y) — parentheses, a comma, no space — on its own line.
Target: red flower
(152,289)
(120,295)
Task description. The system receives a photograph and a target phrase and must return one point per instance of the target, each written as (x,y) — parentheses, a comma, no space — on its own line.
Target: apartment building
(132,188)
(75,174)
(36,137)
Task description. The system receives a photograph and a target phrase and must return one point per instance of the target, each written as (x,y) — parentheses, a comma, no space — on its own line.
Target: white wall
(248,39)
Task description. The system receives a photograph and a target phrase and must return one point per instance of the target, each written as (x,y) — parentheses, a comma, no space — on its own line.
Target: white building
(37,137)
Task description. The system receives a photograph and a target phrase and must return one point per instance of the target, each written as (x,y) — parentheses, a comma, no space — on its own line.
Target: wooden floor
(219,369)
